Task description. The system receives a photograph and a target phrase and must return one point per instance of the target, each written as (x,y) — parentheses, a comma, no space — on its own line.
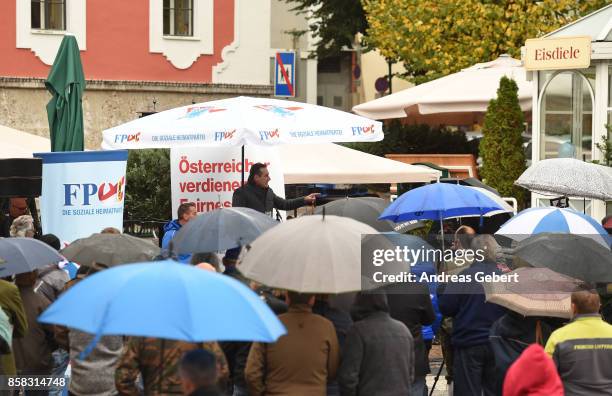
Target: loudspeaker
(20,177)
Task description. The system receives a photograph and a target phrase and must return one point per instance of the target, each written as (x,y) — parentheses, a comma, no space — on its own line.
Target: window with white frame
(178,18)
(48,14)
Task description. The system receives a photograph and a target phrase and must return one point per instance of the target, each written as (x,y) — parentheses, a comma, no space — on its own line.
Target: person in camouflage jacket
(156,360)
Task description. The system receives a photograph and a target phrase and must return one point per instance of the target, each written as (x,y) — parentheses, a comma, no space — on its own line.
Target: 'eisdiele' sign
(558,53)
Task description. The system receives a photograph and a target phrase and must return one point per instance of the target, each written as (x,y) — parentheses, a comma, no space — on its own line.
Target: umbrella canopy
(363,209)
(506,207)
(66,83)
(471,182)
(242,120)
(569,177)
(108,250)
(538,292)
(310,254)
(571,255)
(19,255)
(221,229)
(558,220)
(165,300)
(439,201)
(469,90)
(338,164)
(18,144)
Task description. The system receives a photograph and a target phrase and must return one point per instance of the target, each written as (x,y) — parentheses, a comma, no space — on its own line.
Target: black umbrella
(363,209)
(572,255)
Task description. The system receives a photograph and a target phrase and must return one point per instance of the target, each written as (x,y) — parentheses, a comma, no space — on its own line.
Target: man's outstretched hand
(311,198)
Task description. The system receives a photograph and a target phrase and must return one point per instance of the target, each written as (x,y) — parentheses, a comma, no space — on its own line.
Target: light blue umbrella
(221,229)
(165,299)
(439,201)
(19,255)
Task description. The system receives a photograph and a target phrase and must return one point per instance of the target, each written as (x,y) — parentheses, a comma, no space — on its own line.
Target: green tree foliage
(501,146)
(147,193)
(606,147)
(419,139)
(434,38)
(333,23)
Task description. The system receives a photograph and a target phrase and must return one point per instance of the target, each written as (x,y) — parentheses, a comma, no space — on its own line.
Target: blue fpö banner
(82,192)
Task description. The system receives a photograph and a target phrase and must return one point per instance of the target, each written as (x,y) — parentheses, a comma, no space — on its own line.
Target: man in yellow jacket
(582,350)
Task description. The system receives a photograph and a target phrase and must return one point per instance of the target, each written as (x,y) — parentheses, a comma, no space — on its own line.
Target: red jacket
(533,374)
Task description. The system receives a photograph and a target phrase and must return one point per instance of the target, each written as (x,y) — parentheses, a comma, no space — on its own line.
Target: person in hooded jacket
(186,211)
(378,354)
(512,333)
(410,303)
(533,374)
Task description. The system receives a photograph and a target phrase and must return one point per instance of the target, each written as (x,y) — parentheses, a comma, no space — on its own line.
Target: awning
(18,144)
(336,164)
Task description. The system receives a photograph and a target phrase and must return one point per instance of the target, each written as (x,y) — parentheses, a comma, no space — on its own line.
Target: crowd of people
(377,345)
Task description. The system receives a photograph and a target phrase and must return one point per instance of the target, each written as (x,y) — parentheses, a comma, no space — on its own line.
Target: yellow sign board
(558,53)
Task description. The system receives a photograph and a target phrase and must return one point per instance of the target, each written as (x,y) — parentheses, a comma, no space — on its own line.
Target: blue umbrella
(165,299)
(438,201)
(19,255)
(557,220)
(221,229)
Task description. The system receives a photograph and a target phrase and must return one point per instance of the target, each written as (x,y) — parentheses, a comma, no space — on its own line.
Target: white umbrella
(18,144)
(311,254)
(242,120)
(469,90)
(568,177)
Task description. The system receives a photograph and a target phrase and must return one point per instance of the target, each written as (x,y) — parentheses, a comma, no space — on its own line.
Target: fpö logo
(224,135)
(86,194)
(278,110)
(196,111)
(269,135)
(367,130)
(129,138)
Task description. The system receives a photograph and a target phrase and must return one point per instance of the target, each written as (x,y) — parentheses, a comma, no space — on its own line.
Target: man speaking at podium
(256,194)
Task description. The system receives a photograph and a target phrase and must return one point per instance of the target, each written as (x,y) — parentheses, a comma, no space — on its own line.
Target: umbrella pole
(433,387)
(242,161)
(442,232)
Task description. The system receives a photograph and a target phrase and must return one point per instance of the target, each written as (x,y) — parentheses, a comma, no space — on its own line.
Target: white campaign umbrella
(242,120)
(467,91)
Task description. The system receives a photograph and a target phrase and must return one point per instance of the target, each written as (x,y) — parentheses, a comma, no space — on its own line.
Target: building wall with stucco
(129,63)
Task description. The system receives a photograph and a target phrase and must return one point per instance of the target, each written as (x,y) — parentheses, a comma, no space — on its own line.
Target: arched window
(566,115)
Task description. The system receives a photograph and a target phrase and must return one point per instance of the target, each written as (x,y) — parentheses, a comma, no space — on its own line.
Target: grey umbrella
(572,255)
(363,209)
(19,255)
(109,250)
(312,254)
(568,177)
(221,229)
(537,292)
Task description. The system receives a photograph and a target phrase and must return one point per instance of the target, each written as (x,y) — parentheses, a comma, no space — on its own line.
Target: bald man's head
(585,300)
(464,236)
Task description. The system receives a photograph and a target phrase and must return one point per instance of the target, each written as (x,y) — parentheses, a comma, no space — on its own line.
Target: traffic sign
(284,74)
